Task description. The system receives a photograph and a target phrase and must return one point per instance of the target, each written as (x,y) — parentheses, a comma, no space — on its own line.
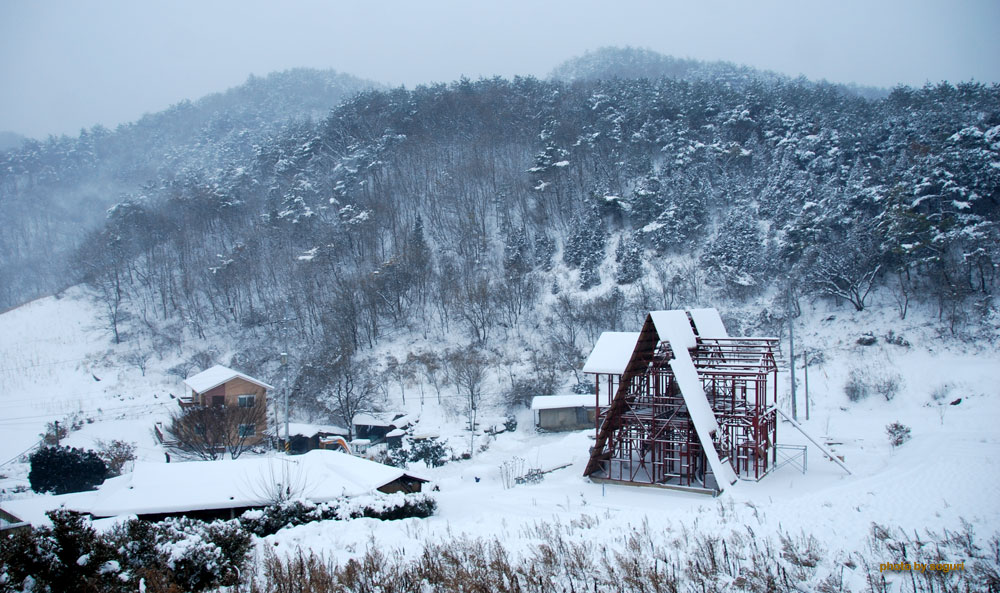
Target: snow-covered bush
(865,380)
(69,556)
(271,519)
(898,434)
(431,451)
(174,555)
(941,392)
(386,507)
(858,385)
(202,555)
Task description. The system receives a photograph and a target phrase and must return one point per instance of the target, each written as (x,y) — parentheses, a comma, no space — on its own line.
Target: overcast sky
(69,64)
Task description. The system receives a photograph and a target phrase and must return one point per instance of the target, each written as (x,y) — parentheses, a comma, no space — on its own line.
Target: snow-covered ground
(58,362)
(948,473)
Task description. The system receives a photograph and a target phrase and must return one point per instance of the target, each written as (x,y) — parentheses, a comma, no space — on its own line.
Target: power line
(41,364)
(8,421)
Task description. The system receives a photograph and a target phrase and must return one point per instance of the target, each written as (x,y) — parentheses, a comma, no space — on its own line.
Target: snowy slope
(948,472)
(58,363)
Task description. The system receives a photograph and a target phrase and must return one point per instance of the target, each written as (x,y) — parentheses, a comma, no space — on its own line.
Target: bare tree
(430,367)
(847,265)
(477,304)
(282,480)
(840,273)
(116,454)
(467,370)
(348,393)
(139,359)
(401,371)
(197,432)
(209,432)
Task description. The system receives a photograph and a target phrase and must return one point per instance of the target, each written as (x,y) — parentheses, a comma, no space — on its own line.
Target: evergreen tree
(735,255)
(585,248)
(628,256)
(63,469)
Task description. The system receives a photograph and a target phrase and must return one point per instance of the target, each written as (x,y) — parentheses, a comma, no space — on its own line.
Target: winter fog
(68,65)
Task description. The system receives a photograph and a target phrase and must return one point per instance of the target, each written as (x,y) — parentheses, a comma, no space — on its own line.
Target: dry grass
(642,561)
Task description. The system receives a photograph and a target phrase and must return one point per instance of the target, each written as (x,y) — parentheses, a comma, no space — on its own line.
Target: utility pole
(284,389)
(277,431)
(791,351)
(805,356)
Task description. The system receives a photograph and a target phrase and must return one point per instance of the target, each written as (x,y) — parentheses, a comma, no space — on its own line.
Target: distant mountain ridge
(10,140)
(53,191)
(608,63)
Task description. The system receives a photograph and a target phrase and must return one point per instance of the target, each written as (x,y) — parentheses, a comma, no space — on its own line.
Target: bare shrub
(54,432)
(888,385)
(898,434)
(803,551)
(858,386)
(299,573)
(941,392)
(116,455)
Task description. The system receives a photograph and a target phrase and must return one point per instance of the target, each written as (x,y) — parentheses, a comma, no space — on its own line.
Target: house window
(218,400)
(246,401)
(248,430)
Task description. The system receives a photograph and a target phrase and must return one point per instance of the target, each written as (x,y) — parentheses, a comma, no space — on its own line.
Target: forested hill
(52,191)
(520,213)
(616,62)
(474,210)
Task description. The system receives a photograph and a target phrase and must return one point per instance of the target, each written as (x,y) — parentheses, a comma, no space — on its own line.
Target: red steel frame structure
(646,436)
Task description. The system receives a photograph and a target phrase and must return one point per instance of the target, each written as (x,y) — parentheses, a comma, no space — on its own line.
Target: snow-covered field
(57,362)
(54,350)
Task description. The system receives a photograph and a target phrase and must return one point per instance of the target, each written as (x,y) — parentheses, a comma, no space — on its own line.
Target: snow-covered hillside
(58,360)
(59,365)
(948,472)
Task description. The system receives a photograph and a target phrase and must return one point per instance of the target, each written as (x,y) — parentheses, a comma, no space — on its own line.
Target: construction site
(690,407)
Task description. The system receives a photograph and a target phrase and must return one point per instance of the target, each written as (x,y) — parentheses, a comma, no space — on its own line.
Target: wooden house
(222,386)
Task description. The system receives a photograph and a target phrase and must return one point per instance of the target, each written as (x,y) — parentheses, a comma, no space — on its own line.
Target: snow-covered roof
(310,430)
(709,323)
(553,402)
(32,510)
(674,327)
(403,421)
(369,420)
(694,396)
(216,376)
(611,353)
(398,432)
(318,476)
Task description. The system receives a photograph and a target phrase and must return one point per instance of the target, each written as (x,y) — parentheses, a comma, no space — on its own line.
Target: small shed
(306,437)
(378,429)
(371,428)
(10,522)
(564,412)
